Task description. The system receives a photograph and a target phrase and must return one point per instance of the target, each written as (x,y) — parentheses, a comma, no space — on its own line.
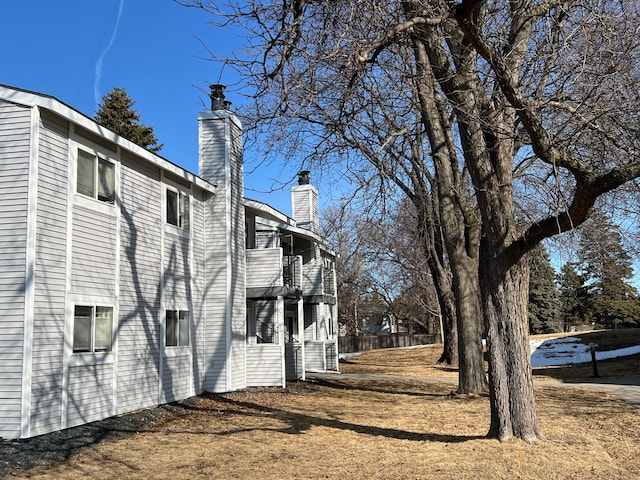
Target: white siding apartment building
(128,282)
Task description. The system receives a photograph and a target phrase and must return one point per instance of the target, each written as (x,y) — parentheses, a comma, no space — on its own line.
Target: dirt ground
(348,429)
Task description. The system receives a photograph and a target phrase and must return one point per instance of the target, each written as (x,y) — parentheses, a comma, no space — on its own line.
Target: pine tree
(607,268)
(116,114)
(572,296)
(543,293)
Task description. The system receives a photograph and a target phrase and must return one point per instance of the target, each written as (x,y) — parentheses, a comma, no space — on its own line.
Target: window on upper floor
(177,328)
(177,208)
(95,177)
(92,328)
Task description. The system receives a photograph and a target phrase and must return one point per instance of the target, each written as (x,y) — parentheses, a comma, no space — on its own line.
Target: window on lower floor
(177,328)
(92,328)
(261,321)
(95,177)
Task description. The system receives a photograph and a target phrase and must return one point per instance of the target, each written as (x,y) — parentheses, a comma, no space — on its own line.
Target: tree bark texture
(504,296)
(446,301)
(458,233)
(430,234)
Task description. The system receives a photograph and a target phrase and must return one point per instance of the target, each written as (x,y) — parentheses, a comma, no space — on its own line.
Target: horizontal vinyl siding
(140,282)
(199,284)
(312,279)
(50,278)
(301,203)
(176,269)
(177,378)
(264,365)
(304,199)
(90,390)
(238,274)
(215,298)
(265,267)
(213,152)
(93,252)
(314,356)
(14,177)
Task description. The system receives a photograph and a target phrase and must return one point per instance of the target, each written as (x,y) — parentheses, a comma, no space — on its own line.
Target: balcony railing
(318,280)
(291,271)
(267,267)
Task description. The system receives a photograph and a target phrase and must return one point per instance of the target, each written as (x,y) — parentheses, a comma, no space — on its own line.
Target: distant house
(129,282)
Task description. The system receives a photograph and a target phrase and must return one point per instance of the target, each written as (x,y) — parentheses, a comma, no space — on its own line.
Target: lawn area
(422,362)
(364,429)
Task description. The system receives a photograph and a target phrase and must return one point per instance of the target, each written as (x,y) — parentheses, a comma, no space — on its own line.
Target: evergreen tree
(607,268)
(116,114)
(543,293)
(572,296)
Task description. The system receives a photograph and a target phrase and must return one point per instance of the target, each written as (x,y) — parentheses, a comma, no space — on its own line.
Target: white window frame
(91,202)
(182,338)
(98,161)
(93,328)
(182,210)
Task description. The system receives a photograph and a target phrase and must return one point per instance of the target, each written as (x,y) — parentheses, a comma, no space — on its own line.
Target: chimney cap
(304,177)
(218,102)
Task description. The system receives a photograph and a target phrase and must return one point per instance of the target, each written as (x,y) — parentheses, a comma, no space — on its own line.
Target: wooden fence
(353,344)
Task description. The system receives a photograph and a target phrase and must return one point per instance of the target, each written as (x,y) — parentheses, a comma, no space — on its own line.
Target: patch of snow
(569,350)
(343,356)
(552,352)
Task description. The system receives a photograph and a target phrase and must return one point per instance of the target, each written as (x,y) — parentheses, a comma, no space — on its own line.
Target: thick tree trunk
(449,341)
(430,233)
(504,296)
(471,374)
(459,235)
(446,301)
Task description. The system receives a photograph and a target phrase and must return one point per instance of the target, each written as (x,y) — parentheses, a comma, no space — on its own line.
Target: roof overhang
(281,221)
(47,102)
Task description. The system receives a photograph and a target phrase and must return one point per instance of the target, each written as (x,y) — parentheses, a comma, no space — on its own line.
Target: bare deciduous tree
(380,250)
(538,100)
(321,100)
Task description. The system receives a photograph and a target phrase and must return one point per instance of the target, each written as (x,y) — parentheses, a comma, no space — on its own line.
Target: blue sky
(78,50)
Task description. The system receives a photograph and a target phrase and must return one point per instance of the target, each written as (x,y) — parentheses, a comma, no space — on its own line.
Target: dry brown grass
(413,362)
(367,430)
(422,362)
(363,429)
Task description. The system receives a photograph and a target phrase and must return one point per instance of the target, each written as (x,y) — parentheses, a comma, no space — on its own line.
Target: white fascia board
(264,213)
(267,212)
(33,99)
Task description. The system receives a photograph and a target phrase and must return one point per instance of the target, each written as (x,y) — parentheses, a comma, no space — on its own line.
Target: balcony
(318,280)
(268,267)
